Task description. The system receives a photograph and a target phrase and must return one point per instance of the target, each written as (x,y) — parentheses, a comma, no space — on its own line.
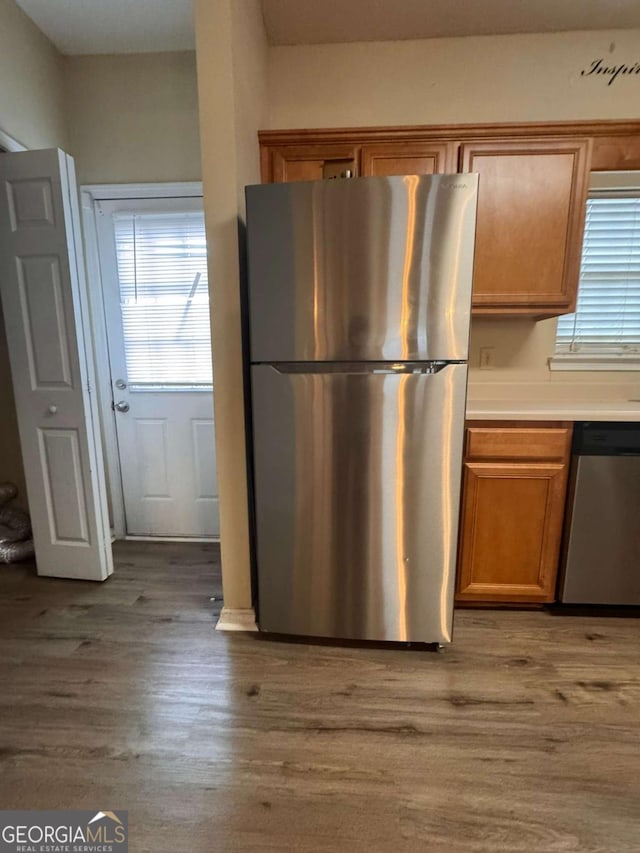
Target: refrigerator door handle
(366,367)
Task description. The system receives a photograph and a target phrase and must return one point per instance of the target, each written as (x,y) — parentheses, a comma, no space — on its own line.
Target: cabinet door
(531,210)
(510,531)
(408,158)
(311,162)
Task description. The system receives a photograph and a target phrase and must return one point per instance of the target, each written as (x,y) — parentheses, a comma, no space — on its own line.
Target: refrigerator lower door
(357,486)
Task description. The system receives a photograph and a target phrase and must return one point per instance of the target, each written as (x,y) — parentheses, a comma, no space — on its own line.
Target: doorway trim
(90,197)
(9,144)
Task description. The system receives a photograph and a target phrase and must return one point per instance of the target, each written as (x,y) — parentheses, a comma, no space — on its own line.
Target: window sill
(592,361)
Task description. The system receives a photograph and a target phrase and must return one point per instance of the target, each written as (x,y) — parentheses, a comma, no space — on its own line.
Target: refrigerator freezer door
(357,484)
(369,269)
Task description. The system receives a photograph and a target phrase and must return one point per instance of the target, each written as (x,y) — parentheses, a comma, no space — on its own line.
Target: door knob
(121,406)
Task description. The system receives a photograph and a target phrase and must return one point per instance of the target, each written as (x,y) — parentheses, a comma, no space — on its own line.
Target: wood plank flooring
(523,736)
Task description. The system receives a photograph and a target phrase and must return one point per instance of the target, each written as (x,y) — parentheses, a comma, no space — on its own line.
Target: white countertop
(552,410)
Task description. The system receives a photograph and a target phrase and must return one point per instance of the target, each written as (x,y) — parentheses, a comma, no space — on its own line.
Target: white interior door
(154,273)
(44,304)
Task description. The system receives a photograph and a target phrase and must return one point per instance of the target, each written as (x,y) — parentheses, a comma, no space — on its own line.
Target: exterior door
(44,304)
(154,272)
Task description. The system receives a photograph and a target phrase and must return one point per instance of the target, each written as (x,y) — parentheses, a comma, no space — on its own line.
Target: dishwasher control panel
(593,438)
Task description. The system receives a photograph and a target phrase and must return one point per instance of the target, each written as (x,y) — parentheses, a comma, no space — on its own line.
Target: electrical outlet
(486,358)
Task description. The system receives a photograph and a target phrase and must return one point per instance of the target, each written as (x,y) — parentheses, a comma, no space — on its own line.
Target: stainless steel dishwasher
(601,563)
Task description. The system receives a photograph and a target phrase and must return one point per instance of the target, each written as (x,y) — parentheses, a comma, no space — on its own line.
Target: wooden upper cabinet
(531,210)
(309,162)
(616,153)
(408,158)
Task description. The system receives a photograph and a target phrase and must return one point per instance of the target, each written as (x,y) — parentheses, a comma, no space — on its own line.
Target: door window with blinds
(604,332)
(164,299)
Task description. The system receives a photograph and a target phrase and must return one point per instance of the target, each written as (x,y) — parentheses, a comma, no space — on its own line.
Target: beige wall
(479,79)
(31,111)
(124,118)
(250,72)
(516,344)
(459,80)
(133,118)
(232,71)
(31,82)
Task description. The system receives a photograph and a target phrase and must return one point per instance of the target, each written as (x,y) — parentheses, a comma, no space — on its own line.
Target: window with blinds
(164,299)
(606,323)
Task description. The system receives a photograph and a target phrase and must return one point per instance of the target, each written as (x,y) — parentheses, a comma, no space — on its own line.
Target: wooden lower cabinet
(514,488)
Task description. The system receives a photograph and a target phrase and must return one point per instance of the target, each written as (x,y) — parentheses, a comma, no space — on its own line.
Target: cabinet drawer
(519,441)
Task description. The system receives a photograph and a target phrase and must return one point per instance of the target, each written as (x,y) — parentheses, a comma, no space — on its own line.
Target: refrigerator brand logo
(458,186)
(598,67)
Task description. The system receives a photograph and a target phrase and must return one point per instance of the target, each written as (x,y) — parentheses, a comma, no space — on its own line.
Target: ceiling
(114,26)
(133,26)
(318,21)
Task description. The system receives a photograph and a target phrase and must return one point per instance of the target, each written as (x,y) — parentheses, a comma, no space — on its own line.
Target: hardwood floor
(523,736)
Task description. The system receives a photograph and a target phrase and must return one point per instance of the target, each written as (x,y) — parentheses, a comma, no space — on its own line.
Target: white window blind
(607,320)
(164,298)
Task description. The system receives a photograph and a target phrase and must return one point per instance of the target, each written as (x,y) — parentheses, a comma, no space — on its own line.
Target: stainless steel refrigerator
(359,298)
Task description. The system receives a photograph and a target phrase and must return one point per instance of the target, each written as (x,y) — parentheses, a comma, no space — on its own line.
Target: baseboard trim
(195,539)
(237,619)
